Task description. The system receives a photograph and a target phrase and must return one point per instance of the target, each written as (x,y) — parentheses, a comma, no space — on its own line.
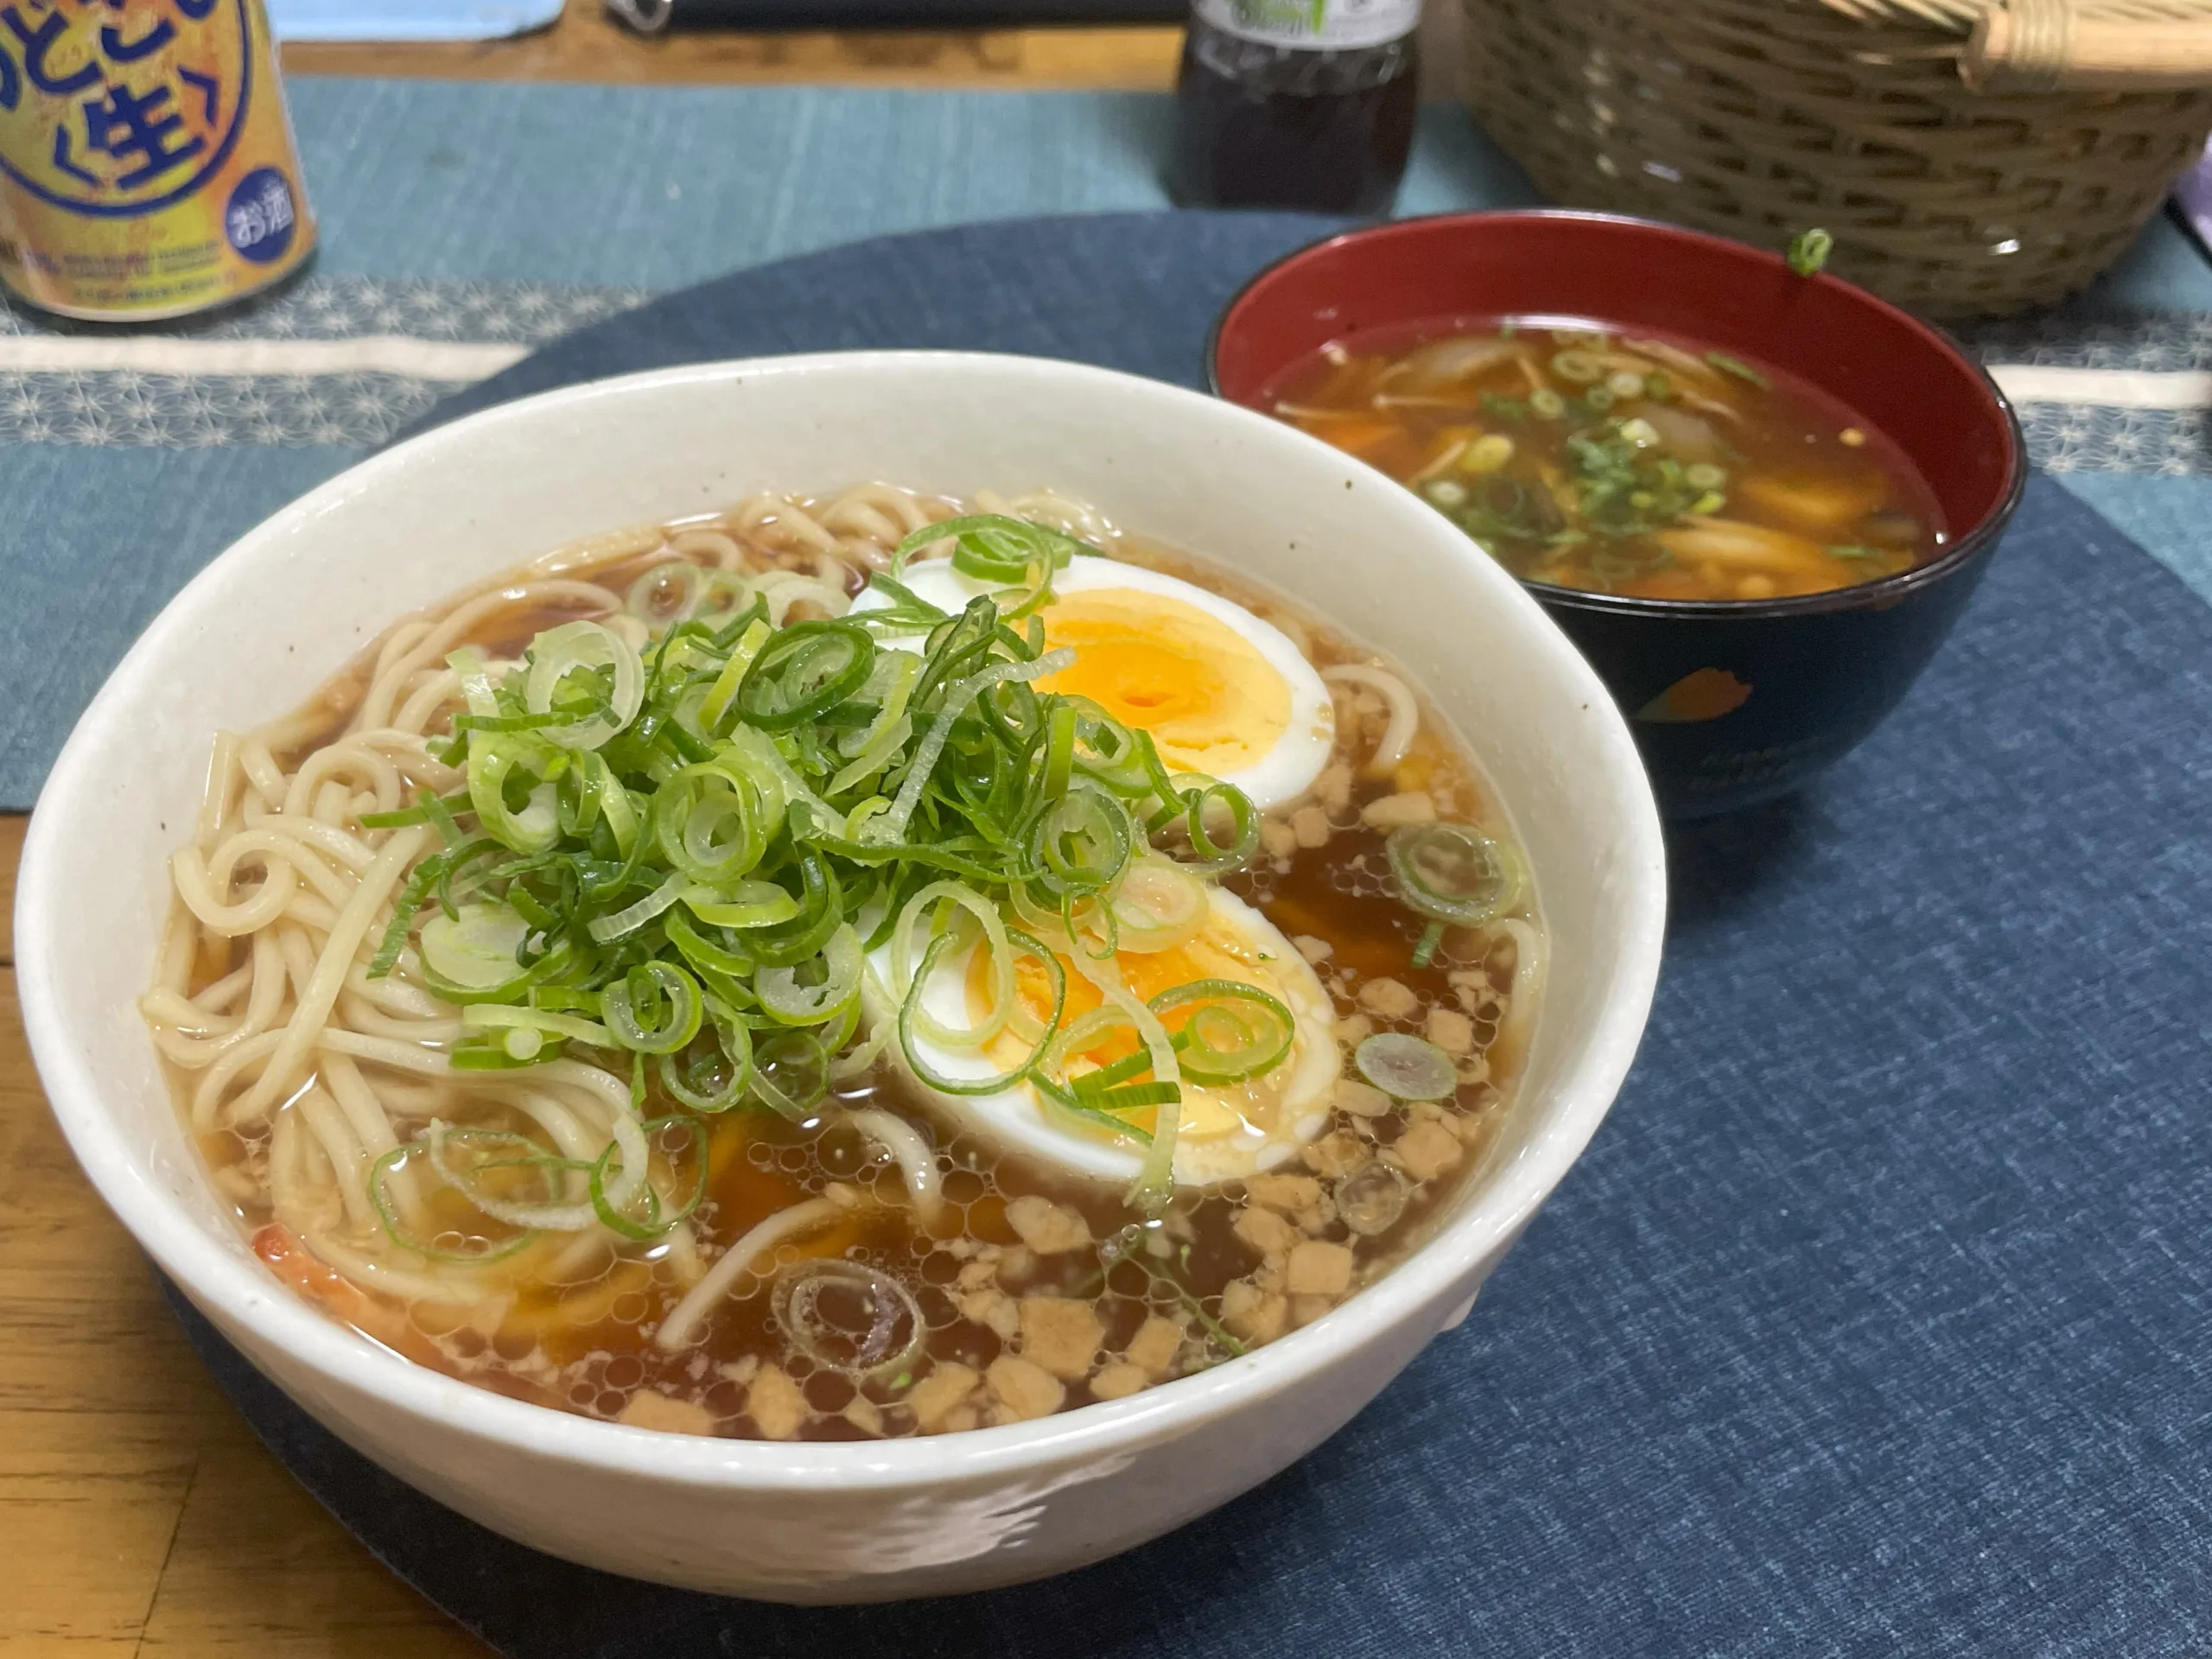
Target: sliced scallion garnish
(1451,873)
(671,861)
(1406,1067)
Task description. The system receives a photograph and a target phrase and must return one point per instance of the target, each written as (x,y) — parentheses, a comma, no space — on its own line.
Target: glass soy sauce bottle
(1295,104)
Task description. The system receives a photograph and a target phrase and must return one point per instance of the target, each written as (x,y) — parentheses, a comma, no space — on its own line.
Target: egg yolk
(1211,702)
(1209,1111)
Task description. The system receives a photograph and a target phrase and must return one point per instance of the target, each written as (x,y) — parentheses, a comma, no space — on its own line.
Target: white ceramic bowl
(280,610)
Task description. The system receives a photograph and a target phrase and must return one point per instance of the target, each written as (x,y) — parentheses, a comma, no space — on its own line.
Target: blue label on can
(258,220)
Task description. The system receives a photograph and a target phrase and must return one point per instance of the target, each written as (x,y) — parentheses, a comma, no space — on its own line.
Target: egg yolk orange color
(1210,700)
(1214,1110)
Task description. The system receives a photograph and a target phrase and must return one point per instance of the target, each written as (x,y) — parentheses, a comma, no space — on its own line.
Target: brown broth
(1218,1264)
(1581,456)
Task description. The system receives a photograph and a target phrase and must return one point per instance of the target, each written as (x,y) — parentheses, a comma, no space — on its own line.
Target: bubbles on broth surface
(1030,1290)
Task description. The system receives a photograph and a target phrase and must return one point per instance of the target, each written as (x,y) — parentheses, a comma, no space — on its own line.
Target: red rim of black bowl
(1865,596)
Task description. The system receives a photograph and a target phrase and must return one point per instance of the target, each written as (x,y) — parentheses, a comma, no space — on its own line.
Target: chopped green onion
(991,547)
(805,671)
(479,946)
(686,853)
(1808,251)
(1452,873)
(588,648)
(465,1250)
(711,1072)
(654,1008)
(1578,368)
(790,1072)
(1738,367)
(833,984)
(1405,1067)
(1234,1031)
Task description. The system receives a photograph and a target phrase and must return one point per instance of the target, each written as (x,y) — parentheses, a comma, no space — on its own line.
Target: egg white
(1015,1118)
(1285,772)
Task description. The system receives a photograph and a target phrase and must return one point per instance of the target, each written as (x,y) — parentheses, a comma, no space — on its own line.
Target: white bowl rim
(218,1277)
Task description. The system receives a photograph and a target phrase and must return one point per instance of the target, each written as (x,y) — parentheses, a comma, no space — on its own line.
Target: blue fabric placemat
(1878,1318)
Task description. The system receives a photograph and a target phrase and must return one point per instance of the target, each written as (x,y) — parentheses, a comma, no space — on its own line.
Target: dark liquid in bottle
(1260,125)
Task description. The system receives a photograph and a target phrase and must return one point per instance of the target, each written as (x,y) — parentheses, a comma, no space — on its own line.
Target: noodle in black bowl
(596,1038)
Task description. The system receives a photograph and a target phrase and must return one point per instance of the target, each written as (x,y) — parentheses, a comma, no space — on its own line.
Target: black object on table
(1879,1317)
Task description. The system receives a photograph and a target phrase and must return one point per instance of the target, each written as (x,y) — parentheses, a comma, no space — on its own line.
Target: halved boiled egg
(1225,1131)
(1221,692)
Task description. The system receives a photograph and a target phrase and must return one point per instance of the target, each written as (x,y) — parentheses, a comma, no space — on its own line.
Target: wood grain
(138,1514)
(587,45)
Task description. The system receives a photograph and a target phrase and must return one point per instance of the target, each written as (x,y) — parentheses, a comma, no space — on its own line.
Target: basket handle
(2048,45)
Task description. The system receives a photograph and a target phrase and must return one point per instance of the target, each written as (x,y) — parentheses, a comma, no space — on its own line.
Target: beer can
(147,168)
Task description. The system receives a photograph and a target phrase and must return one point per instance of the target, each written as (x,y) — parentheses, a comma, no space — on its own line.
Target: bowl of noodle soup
(596,1035)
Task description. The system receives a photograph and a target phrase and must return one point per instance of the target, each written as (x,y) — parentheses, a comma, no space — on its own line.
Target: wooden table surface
(138,1512)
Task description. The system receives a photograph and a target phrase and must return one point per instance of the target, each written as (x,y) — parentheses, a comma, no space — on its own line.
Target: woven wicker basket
(1968,157)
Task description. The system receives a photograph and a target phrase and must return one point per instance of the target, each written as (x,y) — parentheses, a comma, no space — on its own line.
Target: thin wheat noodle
(560,1122)
(349,1164)
(339,759)
(179,951)
(611,1096)
(677,1330)
(384,1050)
(1405,714)
(777,512)
(1531,962)
(406,1095)
(313,1009)
(348,850)
(462,621)
(335,886)
(434,692)
(260,834)
(362,1015)
(222,769)
(1076,518)
(832,601)
(394,994)
(371,1274)
(215,1083)
(372,1123)
(195,885)
(208,1014)
(728,554)
(173,1015)
(217,996)
(917,1163)
(884,502)
(398,640)
(261,769)
(311,912)
(287,1155)
(300,956)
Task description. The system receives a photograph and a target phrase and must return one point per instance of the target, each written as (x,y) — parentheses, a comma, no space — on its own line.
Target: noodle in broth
(491,1188)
